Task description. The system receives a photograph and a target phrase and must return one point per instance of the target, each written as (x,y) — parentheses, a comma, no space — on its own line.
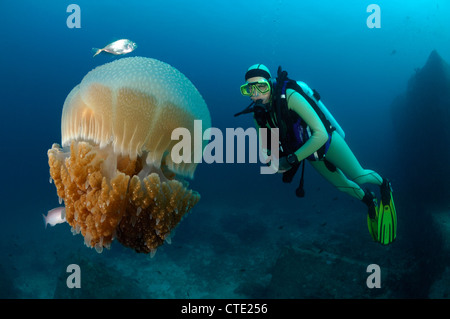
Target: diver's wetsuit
(349,172)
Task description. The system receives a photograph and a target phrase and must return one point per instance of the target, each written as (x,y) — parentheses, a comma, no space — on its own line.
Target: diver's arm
(319,136)
(262,142)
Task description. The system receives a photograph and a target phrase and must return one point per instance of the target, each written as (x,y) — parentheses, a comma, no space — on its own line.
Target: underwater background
(249,236)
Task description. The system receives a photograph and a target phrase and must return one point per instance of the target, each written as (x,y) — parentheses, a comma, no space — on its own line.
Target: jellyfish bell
(134,104)
(115,171)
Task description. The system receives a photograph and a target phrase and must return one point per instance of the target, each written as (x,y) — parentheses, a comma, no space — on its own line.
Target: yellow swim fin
(372,224)
(372,216)
(386,215)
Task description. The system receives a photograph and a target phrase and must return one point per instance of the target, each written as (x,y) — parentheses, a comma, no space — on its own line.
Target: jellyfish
(115,171)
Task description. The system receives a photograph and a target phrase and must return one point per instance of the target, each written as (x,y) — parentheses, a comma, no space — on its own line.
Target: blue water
(245,224)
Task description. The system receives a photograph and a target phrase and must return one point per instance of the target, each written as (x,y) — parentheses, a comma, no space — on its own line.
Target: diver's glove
(287,162)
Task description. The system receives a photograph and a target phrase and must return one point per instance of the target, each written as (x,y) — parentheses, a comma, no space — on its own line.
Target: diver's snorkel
(259,110)
(248,109)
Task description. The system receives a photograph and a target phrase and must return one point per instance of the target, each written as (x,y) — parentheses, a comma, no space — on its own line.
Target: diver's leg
(342,157)
(338,179)
(382,229)
(341,182)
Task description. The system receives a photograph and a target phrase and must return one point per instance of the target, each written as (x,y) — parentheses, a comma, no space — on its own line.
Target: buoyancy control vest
(294,132)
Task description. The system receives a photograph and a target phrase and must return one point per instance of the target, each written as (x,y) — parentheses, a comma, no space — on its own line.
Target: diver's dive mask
(250,88)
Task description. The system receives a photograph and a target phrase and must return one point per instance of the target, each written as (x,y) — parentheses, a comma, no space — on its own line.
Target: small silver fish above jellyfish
(118,47)
(55,216)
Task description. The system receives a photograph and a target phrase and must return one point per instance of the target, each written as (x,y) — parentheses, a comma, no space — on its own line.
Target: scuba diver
(307,131)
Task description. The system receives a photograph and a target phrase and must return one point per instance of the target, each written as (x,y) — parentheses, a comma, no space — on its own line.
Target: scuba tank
(316,97)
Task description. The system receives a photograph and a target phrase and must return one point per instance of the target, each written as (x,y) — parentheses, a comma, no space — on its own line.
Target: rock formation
(422,123)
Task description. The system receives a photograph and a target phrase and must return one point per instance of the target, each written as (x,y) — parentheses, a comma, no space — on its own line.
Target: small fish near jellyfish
(114,169)
(119,47)
(55,216)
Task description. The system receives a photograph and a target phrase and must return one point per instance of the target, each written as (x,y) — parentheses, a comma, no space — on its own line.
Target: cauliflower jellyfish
(114,170)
